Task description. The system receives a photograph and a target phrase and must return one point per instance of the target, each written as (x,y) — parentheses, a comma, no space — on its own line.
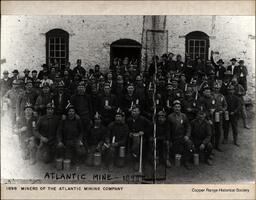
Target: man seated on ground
(180,133)
(25,129)
(70,135)
(201,136)
(118,135)
(45,132)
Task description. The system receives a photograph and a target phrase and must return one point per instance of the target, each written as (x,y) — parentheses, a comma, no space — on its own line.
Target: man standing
(83,105)
(234,106)
(180,133)
(232,66)
(5,83)
(79,69)
(107,104)
(241,73)
(43,99)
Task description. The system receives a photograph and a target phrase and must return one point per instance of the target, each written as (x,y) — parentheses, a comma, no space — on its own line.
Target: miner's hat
(28,105)
(220,61)
(176,102)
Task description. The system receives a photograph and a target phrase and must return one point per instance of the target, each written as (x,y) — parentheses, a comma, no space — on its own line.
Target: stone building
(30,41)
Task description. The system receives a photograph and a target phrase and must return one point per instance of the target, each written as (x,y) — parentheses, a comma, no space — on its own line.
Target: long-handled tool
(141,151)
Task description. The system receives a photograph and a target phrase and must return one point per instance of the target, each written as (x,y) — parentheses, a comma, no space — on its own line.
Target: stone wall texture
(23,41)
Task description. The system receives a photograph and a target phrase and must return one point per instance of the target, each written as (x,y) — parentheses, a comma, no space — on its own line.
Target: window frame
(54,33)
(198,36)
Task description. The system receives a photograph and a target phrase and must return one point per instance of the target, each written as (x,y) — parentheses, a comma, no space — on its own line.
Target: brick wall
(23,38)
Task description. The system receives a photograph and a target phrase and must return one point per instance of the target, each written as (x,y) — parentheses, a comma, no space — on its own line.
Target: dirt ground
(233,165)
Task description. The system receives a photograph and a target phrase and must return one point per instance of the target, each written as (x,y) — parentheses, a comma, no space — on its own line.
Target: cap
(231,87)
(34,71)
(50,105)
(161,113)
(60,84)
(119,112)
(45,85)
(176,102)
(70,106)
(28,81)
(216,85)
(220,61)
(206,87)
(28,105)
(241,61)
(26,70)
(15,71)
(233,59)
(97,116)
(5,72)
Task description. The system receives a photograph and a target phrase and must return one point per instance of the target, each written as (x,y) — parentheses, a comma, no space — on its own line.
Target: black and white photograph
(127,99)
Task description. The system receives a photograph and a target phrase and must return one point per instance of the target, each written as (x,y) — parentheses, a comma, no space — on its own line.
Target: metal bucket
(59,163)
(97,159)
(89,160)
(196,159)
(177,160)
(226,115)
(122,151)
(66,164)
(217,117)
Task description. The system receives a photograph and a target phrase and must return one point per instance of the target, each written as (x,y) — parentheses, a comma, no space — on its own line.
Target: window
(57,47)
(197,45)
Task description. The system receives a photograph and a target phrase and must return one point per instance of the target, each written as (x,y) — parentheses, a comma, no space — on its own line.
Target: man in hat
(107,104)
(69,71)
(83,105)
(119,89)
(97,135)
(232,66)
(140,87)
(25,131)
(26,75)
(15,75)
(179,65)
(117,137)
(46,80)
(240,93)
(79,69)
(138,126)
(234,107)
(43,99)
(28,95)
(176,93)
(241,73)
(189,104)
(5,83)
(11,98)
(70,135)
(226,82)
(189,67)
(60,98)
(34,77)
(163,139)
(97,72)
(171,63)
(201,136)
(129,100)
(180,133)
(218,119)
(43,71)
(45,132)
(219,68)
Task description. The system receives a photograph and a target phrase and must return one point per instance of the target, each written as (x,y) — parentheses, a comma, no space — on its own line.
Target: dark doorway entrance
(125,48)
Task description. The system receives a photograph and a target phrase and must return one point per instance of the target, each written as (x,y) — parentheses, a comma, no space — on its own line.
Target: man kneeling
(201,136)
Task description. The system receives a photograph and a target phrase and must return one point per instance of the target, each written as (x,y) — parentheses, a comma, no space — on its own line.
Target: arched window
(57,47)
(197,45)
(125,48)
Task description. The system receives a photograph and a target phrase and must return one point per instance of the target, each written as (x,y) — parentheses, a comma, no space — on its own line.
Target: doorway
(125,48)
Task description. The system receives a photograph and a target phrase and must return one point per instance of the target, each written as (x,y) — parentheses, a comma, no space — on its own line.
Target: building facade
(30,41)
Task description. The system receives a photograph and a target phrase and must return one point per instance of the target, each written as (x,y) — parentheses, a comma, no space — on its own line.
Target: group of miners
(61,112)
